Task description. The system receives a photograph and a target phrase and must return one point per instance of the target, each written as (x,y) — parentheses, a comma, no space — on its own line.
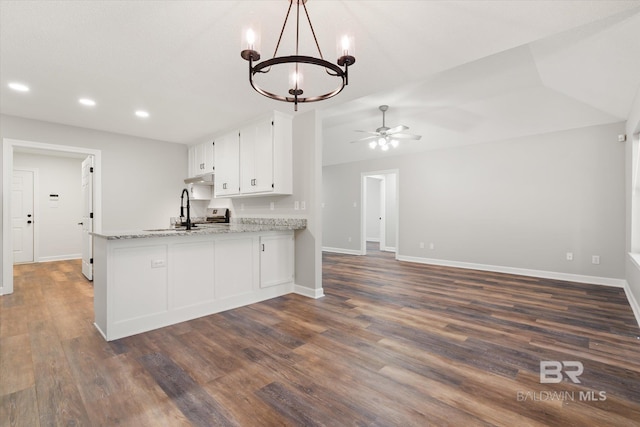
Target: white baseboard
(342,251)
(308,292)
(373,239)
(389,249)
(594,280)
(59,257)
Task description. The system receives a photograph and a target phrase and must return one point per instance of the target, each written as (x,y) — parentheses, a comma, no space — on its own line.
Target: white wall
(520,203)
(58,234)
(142,178)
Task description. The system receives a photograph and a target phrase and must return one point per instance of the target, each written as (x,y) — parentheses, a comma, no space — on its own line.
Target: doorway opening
(11,146)
(379,210)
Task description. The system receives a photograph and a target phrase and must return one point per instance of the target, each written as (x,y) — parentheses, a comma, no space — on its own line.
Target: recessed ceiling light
(88,102)
(143,114)
(20,87)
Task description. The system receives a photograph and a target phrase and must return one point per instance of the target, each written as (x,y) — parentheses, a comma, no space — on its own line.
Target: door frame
(36,212)
(8,148)
(363,209)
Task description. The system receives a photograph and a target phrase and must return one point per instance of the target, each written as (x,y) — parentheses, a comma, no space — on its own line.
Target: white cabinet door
(192,169)
(208,157)
(276,259)
(256,158)
(227,155)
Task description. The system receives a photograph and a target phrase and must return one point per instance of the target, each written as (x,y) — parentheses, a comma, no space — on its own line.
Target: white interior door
(22,216)
(87,217)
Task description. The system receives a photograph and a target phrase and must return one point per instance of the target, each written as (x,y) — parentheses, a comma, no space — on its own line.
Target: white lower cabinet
(142,284)
(276,259)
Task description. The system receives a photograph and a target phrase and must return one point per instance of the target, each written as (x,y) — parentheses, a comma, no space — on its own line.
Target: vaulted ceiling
(456,72)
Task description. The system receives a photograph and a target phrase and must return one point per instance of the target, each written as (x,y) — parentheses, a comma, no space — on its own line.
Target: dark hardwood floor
(391,344)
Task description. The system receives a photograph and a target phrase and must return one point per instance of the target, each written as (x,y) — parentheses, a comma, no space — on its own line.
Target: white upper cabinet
(256,157)
(227,153)
(261,161)
(201,159)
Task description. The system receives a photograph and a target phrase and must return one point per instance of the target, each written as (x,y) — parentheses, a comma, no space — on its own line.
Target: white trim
(342,251)
(635,258)
(59,257)
(388,249)
(308,292)
(373,239)
(594,280)
(633,302)
(7,181)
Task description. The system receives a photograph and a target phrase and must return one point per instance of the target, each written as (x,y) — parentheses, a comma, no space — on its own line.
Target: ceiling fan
(385,137)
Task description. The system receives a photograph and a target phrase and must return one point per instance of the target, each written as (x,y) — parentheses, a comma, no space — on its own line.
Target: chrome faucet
(188,208)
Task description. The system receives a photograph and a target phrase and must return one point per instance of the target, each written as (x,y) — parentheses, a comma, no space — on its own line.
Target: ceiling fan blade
(396,129)
(406,136)
(367,138)
(369,132)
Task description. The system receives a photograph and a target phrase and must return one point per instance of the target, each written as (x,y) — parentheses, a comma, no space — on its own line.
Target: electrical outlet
(303,205)
(595,259)
(296,205)
(432,246)
(421,245)
(272,205)
(355,204)
(569,256)
(349,240)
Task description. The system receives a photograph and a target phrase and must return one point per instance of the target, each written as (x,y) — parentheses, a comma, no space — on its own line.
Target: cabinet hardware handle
(263,247)
(28,222)
(224,186)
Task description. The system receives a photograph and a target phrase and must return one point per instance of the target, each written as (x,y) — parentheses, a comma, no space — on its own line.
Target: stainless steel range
(217,216)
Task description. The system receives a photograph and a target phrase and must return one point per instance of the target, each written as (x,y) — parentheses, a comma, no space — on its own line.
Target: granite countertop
(239,225)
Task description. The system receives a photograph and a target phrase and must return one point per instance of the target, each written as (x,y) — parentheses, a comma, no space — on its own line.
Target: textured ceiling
(456,72)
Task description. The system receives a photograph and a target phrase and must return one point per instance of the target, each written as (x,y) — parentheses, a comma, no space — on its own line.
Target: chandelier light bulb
(251,39)
(373,145)
(394,143)
(384,147)
(296,77)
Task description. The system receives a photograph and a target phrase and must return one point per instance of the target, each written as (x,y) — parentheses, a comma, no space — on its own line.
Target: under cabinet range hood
(206,179)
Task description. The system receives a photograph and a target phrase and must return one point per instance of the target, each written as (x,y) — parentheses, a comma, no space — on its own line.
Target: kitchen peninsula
(149,279)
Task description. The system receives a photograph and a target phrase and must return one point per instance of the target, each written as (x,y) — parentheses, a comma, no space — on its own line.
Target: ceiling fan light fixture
(373,145)
(250,52)
(385,147)
(394,143)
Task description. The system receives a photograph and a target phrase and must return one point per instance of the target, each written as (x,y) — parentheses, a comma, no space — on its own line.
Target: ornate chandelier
(296,93)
